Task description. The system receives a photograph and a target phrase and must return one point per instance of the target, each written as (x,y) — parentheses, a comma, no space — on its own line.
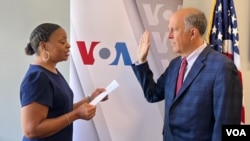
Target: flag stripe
(223,34)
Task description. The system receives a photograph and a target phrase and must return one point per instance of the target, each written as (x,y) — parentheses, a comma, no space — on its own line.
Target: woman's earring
(46,54)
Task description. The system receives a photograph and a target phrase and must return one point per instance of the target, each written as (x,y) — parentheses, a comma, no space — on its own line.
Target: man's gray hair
(198,20)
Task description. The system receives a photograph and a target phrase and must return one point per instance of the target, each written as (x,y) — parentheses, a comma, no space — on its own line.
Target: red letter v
(87,58)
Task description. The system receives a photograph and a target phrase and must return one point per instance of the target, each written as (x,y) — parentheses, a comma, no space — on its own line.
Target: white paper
(113,85)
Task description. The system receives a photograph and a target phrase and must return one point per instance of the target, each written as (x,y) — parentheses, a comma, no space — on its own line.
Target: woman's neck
(47,65)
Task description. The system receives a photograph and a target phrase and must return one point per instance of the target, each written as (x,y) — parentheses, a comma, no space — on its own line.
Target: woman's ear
(42,45)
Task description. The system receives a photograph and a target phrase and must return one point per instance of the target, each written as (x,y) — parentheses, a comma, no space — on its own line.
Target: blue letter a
(121,49)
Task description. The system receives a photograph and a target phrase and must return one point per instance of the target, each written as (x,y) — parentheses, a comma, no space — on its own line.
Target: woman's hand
(97,92)
(86,111)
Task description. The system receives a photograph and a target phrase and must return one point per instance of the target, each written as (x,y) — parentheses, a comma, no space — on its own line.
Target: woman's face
(58,46)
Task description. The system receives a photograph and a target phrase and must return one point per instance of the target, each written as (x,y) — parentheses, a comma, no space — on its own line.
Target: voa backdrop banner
(104,37)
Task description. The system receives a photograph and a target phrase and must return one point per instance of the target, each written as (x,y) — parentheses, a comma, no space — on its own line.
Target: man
(211,92)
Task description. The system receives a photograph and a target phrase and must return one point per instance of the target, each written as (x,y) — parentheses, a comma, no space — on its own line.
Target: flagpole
(209,27)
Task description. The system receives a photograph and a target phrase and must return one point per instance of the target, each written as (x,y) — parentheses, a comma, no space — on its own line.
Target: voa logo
(236,132)
(87,52)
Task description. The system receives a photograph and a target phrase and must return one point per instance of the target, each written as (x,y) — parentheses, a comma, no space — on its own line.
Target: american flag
(223,33)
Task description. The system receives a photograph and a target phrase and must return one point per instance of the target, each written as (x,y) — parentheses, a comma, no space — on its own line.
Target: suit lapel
(196,68)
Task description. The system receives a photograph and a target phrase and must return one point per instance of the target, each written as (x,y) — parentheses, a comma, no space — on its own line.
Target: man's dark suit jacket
(211,95)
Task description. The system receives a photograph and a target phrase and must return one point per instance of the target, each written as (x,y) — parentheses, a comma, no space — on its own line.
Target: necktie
(181,74)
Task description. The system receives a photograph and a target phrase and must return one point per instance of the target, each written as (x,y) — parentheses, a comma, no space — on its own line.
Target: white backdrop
(104,38)
(29,13)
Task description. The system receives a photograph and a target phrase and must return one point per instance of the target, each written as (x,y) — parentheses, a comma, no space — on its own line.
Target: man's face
(178,36)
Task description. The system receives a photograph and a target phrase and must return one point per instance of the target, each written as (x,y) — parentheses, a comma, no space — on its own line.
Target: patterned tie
(181,74)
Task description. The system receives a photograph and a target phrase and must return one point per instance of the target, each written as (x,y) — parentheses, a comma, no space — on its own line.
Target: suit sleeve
(227,98)
(153,91)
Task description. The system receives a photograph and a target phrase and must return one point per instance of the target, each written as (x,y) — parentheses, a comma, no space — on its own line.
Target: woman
(48,111)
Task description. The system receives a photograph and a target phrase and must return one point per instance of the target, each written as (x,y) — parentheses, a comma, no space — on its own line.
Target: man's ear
(194,33)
